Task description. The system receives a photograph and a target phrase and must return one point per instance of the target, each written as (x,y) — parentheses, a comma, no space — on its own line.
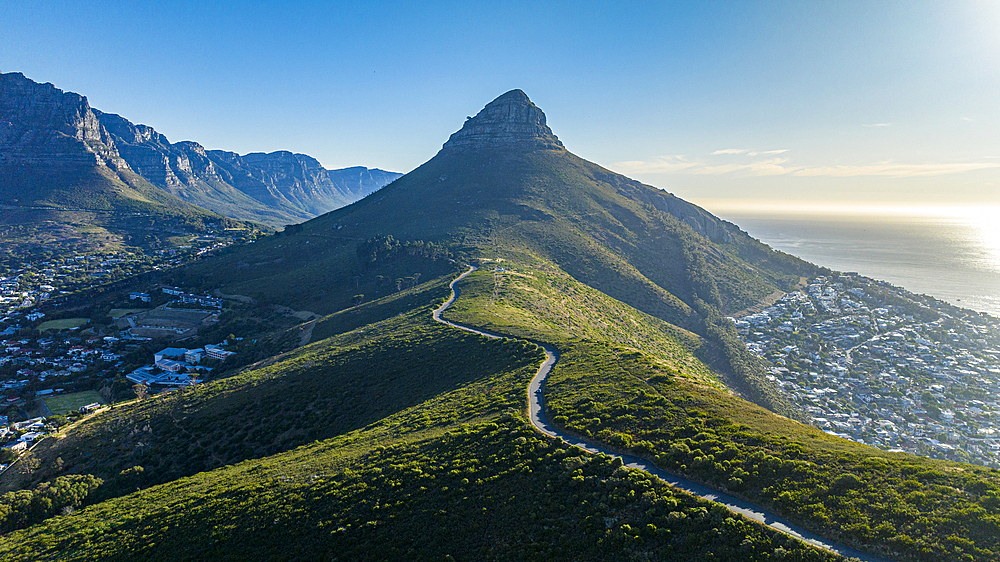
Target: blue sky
(872,102)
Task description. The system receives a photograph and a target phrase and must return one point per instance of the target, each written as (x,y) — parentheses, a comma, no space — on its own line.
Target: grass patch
(534,299)
(117,313)
(66,403)
(63,324)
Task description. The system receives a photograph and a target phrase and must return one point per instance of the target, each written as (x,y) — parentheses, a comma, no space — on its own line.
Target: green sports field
(63,324)
(65,403)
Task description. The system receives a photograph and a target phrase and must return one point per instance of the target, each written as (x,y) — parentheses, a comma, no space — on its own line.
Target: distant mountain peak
(511,120)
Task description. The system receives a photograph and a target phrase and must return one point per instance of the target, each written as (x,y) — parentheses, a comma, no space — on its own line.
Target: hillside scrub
(534,299)
(898,505)
(317,392)
(492,490)
(65,494)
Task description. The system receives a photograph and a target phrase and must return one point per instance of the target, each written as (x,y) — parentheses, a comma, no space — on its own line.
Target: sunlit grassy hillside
(438,462)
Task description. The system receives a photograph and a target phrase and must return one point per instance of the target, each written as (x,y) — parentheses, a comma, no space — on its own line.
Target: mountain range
(57,152)
(373,432)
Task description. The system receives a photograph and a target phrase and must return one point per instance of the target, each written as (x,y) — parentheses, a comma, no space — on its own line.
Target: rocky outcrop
(276,188)
(298,182)
(40,125)
(151,155)
(510,121)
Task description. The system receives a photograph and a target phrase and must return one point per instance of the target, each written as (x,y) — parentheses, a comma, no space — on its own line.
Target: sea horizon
(951,253)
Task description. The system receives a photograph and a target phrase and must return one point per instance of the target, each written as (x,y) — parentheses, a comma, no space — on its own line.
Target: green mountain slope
(893,504)
(457,473)
(459,447)
(504,186)
(319,391)
(488,491)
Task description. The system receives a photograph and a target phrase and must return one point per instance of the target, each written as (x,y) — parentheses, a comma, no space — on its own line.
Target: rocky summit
(509,121)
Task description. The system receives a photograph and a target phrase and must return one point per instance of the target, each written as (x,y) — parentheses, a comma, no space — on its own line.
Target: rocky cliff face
(509,121)
(42,125)
(298,181)
(50,139)
(151,155)
(277,188)
(67,184)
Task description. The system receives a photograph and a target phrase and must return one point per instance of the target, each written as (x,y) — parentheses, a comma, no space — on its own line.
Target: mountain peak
(511,120)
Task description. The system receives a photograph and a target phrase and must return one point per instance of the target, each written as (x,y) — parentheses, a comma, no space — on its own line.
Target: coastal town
(55,366)
(879,365)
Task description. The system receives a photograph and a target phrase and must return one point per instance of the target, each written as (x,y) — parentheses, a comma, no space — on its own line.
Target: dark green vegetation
(320,391)
(63,495)
(491,491)
(895,504)
(422,438)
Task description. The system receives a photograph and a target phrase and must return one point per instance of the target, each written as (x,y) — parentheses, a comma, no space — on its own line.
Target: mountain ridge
(59,165)
(504,187)
(283,186)
(56,150)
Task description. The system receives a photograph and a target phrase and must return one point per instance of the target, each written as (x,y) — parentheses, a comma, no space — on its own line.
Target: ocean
(951,254)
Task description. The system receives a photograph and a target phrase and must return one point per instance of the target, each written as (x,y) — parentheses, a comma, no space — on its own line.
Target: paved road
(536,411)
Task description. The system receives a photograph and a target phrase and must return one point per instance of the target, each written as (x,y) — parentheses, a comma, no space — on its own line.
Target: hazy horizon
(949,252)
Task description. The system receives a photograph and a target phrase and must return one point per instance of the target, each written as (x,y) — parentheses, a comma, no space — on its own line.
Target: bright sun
(986,224)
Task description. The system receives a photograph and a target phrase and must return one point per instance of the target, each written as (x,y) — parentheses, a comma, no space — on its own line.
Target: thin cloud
(968,120)
(748,152)
(894,170)
(771,167)
(662,165)
(682,165)
(779,166)
(877,125)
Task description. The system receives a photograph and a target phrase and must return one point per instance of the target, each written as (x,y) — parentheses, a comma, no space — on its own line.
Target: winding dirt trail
(536,411)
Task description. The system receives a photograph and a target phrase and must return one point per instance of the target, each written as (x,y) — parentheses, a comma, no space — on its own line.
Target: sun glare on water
(984,222)
(973,230)
(976,229)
